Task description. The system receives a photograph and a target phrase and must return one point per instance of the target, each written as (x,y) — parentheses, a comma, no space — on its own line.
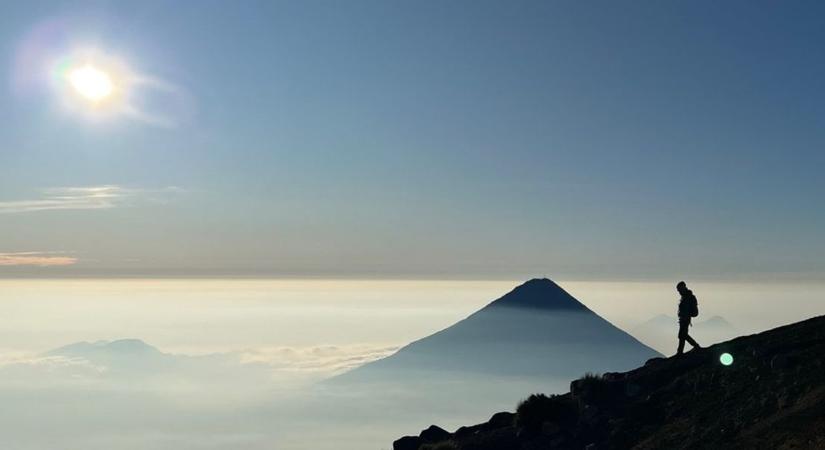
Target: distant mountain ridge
(121,357)
(535,330)
(660,331)
(121,347)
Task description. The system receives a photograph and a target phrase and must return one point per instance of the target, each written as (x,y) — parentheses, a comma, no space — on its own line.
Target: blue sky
(422,139)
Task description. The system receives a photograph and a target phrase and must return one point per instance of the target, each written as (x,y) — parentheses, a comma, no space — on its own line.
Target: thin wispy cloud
(176,103)
(81,198)
(38,259)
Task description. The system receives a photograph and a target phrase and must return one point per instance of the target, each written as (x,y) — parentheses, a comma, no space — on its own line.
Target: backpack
(691,306)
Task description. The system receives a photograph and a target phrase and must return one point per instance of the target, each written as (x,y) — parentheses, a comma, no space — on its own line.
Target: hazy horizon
(242,357)
(433,304)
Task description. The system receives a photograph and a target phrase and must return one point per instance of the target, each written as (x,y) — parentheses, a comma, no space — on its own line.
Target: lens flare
(726,359)
(91,83)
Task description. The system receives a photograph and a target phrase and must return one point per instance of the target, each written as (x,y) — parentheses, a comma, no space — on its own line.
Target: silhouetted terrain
(771,397)
(536,330)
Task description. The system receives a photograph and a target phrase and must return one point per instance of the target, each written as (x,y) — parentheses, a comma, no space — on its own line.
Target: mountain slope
(536,330)
(772,396)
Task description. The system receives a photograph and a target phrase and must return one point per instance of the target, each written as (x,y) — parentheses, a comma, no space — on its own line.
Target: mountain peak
(535,330)
(539,293)
(131,346)
(718,319)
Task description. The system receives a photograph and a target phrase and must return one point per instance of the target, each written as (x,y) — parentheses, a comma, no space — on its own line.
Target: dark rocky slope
(771,397)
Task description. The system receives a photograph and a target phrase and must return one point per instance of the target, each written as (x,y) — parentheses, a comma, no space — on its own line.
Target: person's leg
(691,341)
(682,335)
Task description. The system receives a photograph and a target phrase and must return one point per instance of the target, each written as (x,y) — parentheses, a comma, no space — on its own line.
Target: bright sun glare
(91,83)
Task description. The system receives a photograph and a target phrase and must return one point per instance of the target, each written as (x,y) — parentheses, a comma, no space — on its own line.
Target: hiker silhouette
(688,308)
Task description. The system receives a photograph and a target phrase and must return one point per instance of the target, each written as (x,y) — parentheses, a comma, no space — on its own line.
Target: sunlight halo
(91,83)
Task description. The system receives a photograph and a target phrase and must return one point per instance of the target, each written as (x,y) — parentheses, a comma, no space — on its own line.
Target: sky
(492,140)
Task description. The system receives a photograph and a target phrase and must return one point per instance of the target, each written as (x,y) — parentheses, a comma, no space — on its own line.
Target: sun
(91,83)
(98,86)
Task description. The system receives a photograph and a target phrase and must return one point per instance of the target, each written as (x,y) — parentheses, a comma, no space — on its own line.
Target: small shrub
(539,408)
(592,388)
(593,377)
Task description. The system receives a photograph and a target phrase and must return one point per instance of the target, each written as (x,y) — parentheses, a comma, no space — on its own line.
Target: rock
(589,414)
(407,443)
(770,403)
(502,419)
(463,432)
(779,362)
(575,387)
(614,376)
(632,389)
(434,434)
(558,442)
(653,361)
(550,428)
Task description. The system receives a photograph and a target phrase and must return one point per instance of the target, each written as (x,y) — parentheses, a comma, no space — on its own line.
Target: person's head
(681,287)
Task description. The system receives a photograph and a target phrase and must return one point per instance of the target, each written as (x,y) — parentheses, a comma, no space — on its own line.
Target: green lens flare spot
(726,359)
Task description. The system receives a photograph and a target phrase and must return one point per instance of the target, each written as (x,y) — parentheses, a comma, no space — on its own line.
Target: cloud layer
(104,357)
(324,360)
(39,259)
